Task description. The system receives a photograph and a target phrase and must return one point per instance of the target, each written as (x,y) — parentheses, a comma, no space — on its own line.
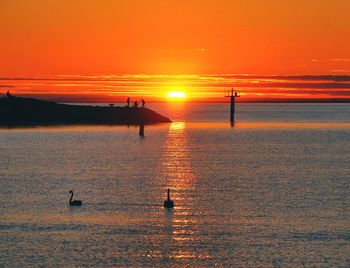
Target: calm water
(274,190)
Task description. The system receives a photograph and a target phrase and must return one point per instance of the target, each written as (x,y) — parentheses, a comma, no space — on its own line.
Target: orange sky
(40,38)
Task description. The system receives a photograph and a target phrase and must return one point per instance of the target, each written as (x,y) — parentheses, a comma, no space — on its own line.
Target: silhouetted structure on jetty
(24,111)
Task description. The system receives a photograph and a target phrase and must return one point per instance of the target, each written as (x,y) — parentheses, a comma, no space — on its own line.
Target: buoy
(168,203)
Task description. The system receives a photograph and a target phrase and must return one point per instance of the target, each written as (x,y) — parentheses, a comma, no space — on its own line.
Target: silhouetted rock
(24,111)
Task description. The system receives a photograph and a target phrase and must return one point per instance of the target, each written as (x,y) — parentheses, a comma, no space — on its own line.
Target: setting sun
(176,95)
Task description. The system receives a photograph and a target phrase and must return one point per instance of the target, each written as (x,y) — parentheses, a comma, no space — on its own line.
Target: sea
(271,190)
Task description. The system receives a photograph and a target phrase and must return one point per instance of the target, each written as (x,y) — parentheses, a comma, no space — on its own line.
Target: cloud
(334,78)
(280,85)
(97,88)
(340,71)
(341,60)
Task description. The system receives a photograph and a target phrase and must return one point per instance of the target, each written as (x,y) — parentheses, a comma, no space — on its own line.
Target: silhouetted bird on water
(168,203)
(74,202)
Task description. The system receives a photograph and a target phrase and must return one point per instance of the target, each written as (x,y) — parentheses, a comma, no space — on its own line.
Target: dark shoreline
(17,112)
(48,125)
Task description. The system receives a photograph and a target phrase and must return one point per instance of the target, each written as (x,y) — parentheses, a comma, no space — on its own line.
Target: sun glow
(176,95)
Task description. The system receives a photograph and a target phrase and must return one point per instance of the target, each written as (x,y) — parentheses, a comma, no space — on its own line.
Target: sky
(45,40)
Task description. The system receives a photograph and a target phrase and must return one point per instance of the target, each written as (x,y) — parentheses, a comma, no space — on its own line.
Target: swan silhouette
(168,203)
(73,202)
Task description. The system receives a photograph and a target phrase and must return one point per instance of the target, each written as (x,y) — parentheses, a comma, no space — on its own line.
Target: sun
(176,95)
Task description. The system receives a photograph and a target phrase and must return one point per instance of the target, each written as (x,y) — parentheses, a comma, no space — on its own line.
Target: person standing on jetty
(143,103)
(128,102)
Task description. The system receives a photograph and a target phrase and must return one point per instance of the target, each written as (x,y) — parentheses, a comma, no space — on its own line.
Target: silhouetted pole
(232,111)
(142,130)
(232,95)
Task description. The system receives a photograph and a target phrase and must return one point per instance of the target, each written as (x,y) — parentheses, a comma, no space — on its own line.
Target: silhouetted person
(136,104)
(128,102)
(143,103)
(8,95)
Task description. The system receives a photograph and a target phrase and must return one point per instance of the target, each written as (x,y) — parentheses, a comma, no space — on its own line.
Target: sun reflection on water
(176,169)
(177,126)
(176,173)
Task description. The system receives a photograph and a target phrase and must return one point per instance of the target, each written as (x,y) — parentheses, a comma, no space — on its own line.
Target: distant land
(16,111)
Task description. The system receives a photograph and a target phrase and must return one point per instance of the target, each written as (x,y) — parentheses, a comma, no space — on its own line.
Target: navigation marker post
(232,95)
